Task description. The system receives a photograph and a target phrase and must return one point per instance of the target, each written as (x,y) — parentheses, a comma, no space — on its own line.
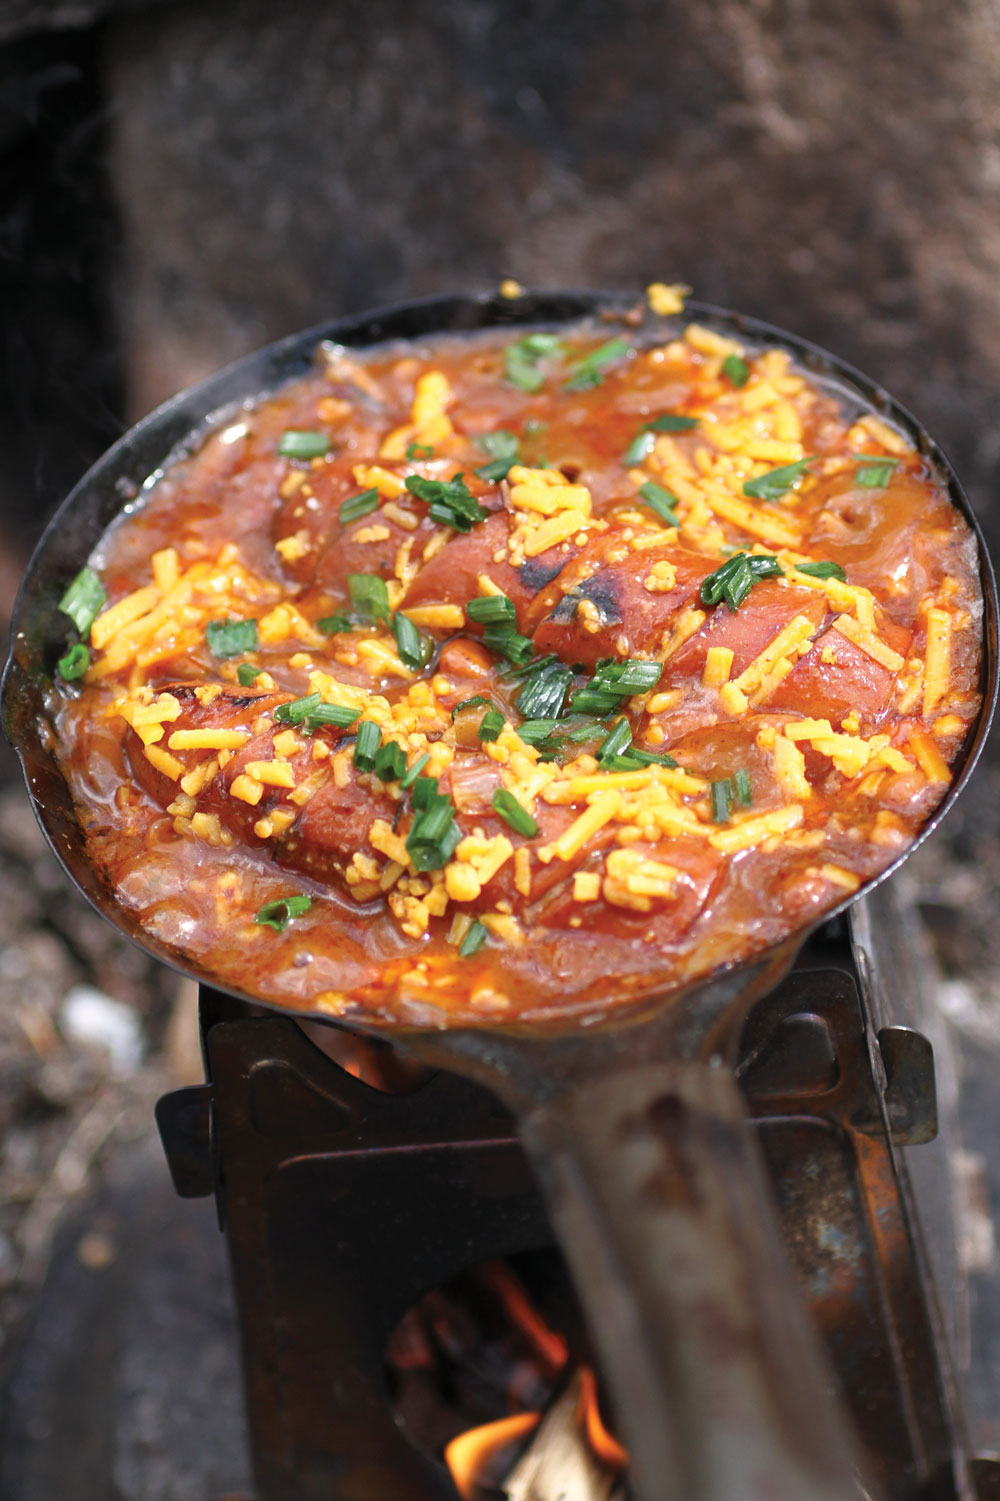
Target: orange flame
(603,1443)
(547,1344)
(466,1455)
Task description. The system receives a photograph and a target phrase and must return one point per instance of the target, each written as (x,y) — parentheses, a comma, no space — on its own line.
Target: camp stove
(350,1187)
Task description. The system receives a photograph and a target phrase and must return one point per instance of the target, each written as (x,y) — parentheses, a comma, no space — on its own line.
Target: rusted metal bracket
(184,1121)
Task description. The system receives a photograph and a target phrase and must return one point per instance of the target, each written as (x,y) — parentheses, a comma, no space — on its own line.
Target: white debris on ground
(93,1019)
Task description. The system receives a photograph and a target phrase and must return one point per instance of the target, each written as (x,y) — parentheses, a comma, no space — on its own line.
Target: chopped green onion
(365,747)
(418,451)
(298,443)
(742,787)
(588,730)
(434,834)
(75,663)
(230,638)
(736,577)
(613,681)
(640,448)
(409,777)
(297,709)
(336,714)
(491,725)
(278,915)
(495,470)
(310,712)
(721,797)
(245,674)
(876,473)
(824,570)
(332,625)
(512,813)
(369,596)
(491,609)
(536,731)
(616,741)
(521,360)
(358,506)
(499,445)
(425,790)
(415,649)
(545,690)
(390,761)
(589,372)
(84,600)
(473,941)
(671,422)
(451,501)
(504,640)
(661,501)
(776,482)
(475,702)
(738,370)
(651,758)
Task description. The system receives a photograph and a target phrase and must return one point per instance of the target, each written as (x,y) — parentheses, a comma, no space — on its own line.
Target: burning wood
(571,1457)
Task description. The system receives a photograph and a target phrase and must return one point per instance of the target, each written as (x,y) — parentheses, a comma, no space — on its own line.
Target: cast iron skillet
(633,1120)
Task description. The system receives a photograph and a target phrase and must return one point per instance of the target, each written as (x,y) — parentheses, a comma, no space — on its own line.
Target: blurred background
(182,182)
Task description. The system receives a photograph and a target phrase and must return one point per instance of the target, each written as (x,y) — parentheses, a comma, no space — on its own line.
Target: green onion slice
(414,647)
(521,360)
(368,741)
(721,797)
(246,674)
(502,448)
(508,643)
(408,778)
(451,501)
(492,609)
(671,422)
(737,370)
(613,681)
(298,443)
(823,570)
(358,506)
(616,741)
(776,482)
(425,790)
(875,474)
(490,726)
(512,813)
(390,761)
(369,596)
(545,688)
(332,625)
(742,787)
(279,914)
(737,576)
(230,638)
(589,371)
(640,448)
(661,501)
(75,663)
(473,941)
(417,451)
(84,600)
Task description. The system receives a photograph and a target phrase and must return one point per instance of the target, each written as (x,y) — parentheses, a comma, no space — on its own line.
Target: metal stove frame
(342,1205)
